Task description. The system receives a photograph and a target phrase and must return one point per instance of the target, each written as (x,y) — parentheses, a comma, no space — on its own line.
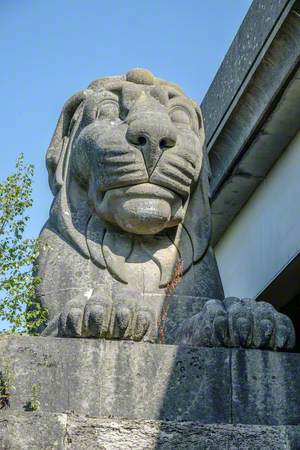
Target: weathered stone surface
(236,322)
(46,431)
(127,244)
(32,431)
(267,383)
(131,217)
(150,381)
(119,379)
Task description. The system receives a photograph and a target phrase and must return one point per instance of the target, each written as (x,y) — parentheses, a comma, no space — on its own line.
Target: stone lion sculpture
(126,251)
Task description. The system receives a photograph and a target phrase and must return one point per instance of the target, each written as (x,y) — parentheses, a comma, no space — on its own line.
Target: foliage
(17,254)
(34,403)
(6,386)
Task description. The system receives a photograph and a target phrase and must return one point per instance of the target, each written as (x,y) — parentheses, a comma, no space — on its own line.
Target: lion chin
(144,209)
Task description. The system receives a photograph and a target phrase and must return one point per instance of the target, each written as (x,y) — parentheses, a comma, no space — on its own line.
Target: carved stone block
(150,381)
(126,251)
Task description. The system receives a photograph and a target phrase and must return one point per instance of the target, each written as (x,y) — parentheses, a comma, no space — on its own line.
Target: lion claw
(96,318)
(238,323)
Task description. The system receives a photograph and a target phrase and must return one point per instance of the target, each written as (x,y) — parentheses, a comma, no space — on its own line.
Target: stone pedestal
(97,394)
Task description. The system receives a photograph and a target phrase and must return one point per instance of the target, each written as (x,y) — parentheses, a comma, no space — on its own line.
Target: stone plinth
(158,393)
(50,431)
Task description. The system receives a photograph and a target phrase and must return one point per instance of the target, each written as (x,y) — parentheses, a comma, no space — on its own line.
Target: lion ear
(59,142)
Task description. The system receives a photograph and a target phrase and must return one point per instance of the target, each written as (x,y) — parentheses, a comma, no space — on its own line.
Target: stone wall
(48,431)
(109,395)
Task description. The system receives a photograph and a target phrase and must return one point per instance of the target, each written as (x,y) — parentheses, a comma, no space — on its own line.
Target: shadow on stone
(231,398)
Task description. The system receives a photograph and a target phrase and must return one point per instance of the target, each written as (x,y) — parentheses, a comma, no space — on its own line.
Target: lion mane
(72,217)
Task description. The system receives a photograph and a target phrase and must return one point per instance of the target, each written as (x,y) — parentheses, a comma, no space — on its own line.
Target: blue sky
(51,49)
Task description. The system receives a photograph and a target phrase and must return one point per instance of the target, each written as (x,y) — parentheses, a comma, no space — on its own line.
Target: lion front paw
(98,318)
(238,323)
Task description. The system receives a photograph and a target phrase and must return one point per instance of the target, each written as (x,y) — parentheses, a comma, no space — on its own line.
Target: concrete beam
(263,114)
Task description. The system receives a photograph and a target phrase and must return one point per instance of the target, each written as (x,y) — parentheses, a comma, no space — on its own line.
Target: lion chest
(145,265)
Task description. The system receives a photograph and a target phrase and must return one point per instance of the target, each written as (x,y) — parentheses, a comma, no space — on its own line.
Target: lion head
(127,163)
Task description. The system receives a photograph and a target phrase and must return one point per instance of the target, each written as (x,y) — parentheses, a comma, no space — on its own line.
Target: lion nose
(152,140)
(141,139)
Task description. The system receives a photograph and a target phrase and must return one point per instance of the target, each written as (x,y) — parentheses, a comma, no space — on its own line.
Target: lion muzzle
(141,209)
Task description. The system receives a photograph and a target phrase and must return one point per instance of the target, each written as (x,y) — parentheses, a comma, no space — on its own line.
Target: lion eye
(180,116)
(108,109)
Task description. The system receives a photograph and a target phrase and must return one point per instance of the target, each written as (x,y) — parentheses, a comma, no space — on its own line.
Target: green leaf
(18,303)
